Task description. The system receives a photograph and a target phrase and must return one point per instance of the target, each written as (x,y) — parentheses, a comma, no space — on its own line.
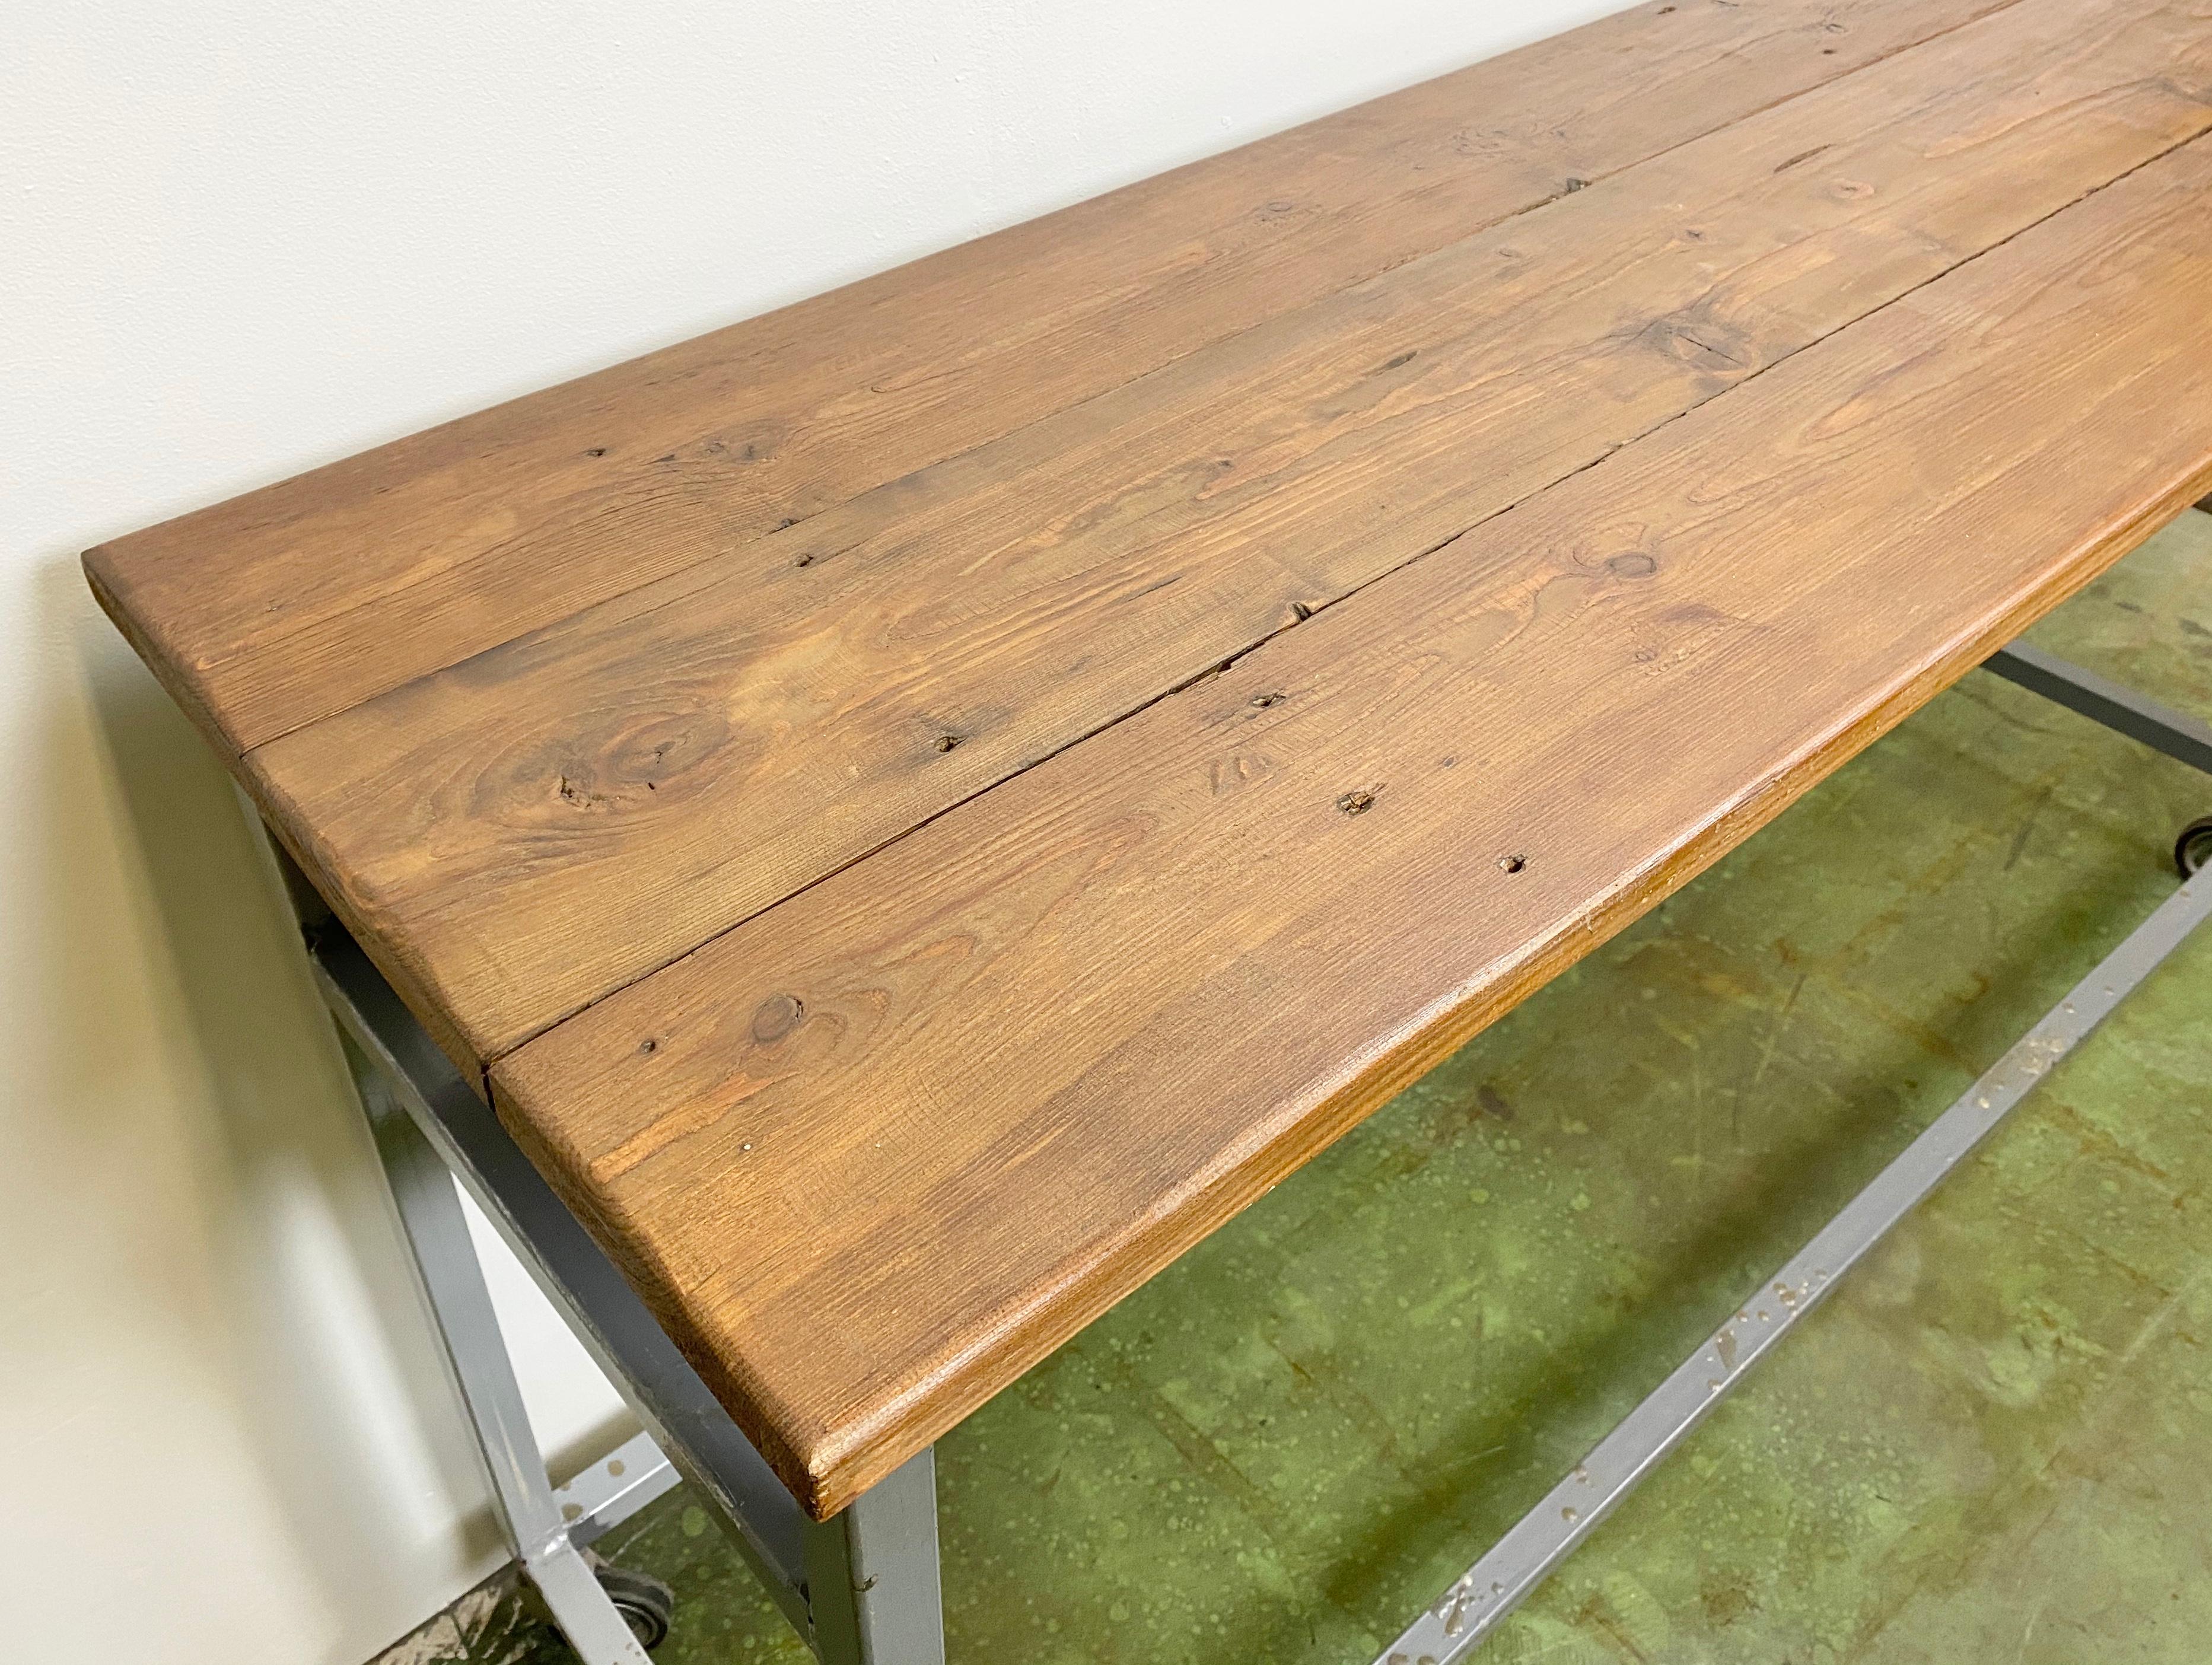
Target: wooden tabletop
(918,806)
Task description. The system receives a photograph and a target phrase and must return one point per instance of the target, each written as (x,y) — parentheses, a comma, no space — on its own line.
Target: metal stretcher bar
(1478,1601)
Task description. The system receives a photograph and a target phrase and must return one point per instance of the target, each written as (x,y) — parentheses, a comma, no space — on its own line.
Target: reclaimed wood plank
(872,1154)
(299,600)
(527,832)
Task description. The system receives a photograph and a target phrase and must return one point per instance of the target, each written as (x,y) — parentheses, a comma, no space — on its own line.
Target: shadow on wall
(318,1332)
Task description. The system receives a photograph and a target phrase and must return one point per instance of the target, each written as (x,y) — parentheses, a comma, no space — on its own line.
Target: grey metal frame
(614,1488)
(1478,1601)
(2101,699)
(862,1588)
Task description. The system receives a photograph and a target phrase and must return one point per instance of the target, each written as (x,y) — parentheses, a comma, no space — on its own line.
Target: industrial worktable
(864,836)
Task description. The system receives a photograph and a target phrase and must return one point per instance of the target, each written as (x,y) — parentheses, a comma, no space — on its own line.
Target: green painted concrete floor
(1994,1442)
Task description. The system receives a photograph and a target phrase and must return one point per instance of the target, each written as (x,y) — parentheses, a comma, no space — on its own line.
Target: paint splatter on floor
(1995,1442)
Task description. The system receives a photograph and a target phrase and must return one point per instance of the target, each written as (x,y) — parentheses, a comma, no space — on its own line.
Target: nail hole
(1303,611)
(803,561)
(1356,803)
(597,451)
(946,742)
(648,1044)
(1513,864)
(1263,700)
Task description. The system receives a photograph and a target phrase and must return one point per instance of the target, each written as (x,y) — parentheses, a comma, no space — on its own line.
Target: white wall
(238,240)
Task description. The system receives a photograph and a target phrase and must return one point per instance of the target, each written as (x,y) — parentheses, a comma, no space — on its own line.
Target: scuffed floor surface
(1995,1442)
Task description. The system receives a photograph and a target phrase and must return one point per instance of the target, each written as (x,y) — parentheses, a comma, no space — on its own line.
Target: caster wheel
(646,1604)
(2194,847)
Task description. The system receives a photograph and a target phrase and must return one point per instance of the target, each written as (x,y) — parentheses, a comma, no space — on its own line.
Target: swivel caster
(647,1605)
(2194,847)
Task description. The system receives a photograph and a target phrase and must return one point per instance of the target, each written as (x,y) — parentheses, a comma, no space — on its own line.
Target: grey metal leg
(861,1589)
(871,1573)
(453,1282)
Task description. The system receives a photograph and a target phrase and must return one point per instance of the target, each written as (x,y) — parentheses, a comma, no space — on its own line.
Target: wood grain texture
(299,600)
(554,817)
(875,1151)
